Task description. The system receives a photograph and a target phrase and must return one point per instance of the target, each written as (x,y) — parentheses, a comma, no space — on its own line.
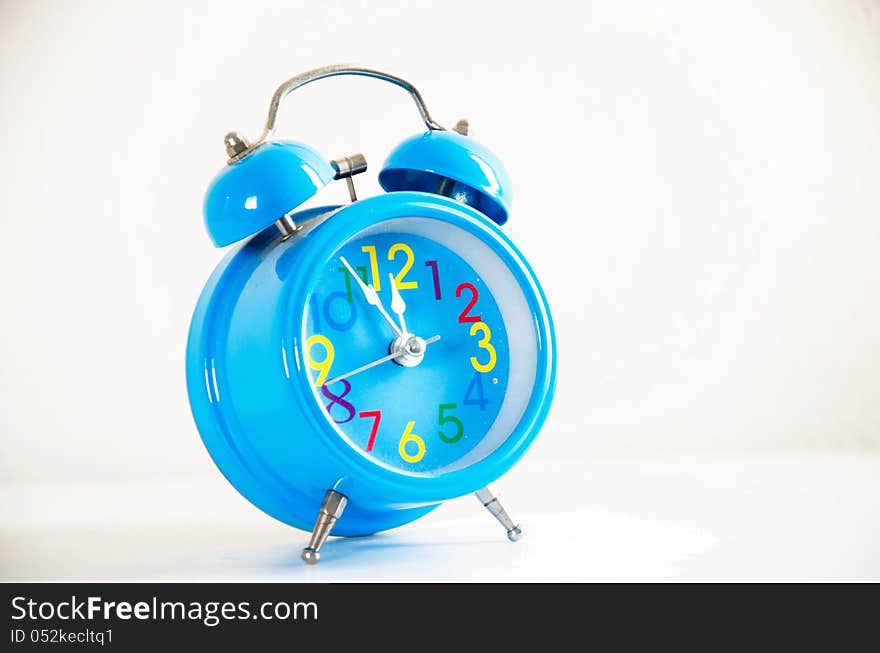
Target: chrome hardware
(347,167)
(490,502)
(239,147)
(331,510)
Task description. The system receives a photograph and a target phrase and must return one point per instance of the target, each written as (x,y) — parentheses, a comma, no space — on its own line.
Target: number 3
(484,344)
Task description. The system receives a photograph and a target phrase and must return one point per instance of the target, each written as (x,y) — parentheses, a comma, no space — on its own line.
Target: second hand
(379,361)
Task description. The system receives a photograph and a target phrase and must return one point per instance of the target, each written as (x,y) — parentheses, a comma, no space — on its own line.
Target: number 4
(475,387)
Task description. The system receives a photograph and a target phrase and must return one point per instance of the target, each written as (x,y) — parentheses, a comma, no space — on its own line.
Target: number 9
(323,366)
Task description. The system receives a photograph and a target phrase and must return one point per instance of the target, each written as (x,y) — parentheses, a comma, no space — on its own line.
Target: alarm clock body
(280,319)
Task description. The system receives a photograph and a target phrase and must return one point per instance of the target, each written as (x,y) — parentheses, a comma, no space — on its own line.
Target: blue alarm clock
(351,367)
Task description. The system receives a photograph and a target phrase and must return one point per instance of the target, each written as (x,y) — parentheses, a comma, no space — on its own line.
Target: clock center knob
(410,350)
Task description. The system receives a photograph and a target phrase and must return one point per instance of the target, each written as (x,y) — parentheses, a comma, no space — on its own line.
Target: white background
(696,184)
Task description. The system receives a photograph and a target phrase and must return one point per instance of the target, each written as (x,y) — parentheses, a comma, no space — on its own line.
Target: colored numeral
(484,343)
(463,316)
(447,419)
(323,366)
(410,258)
(327,312)
(475,388)
(347,323)
(315,311)
(399,278)
(374,265)
(436,275)
(408,437)
(338,400)
(362,271)
(376,415)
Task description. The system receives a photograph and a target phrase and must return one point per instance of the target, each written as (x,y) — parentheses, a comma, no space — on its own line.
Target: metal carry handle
(341,69)
(238,146)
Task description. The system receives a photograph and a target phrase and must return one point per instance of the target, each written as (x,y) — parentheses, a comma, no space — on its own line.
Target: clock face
(440,389)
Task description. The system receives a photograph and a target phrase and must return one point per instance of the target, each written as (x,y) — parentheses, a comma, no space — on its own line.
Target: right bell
(451,164)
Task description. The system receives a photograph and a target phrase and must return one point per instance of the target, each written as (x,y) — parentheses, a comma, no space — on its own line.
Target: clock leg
(331,510)
(490,502)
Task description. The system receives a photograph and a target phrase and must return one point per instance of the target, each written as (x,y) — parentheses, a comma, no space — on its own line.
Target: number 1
(436,274)
(363,273)
(374,265)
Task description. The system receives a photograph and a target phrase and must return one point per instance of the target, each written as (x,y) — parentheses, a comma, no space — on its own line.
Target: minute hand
(371,296)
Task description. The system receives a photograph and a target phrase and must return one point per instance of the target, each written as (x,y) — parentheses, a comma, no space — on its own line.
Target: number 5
(450,418)
(484,343)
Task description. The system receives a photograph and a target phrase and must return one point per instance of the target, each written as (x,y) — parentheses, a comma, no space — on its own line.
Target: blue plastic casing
(252,398)
(249,195)
(424,161)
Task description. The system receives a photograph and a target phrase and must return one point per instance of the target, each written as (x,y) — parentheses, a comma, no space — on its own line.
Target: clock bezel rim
(346,223)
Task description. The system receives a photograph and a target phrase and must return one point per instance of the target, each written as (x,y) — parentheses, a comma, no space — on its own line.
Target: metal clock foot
(331,510)
(491,503)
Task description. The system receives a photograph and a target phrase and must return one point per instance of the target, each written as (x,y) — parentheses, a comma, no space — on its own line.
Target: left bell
(262,187)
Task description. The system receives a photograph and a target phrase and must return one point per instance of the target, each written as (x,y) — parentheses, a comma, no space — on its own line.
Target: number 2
(410,257)
(464,317)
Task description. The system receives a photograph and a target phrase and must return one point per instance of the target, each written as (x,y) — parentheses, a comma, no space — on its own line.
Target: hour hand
(371,296)
(398,306)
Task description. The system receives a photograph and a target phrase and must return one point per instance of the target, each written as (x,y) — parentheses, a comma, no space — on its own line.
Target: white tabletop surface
(773,517)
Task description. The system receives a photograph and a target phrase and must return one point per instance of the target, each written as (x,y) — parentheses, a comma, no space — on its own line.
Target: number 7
(377,417)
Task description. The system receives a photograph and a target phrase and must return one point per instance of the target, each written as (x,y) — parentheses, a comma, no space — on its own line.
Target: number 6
(409,436)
